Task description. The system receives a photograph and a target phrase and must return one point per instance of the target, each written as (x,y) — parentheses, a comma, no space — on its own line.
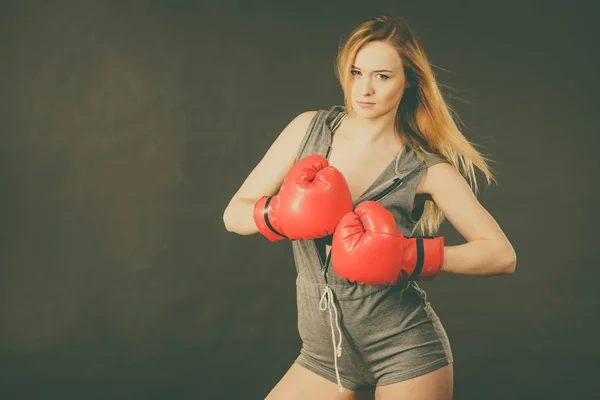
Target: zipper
(323,264)
(380,195)
(395,183)
(324,267)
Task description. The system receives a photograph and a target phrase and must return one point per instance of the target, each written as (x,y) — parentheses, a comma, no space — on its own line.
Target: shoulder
(322,116)
(439,176)
(303,119)
(297,127)
(307,116)
(300,130)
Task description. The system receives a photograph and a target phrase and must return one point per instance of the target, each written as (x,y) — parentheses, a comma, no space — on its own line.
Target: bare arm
(266,178)
(487,251)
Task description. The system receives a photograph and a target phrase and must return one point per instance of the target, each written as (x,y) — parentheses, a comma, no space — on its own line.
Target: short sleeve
(310,137)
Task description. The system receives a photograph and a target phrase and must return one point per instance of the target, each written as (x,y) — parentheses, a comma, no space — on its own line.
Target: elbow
(234,222)
(511,261)
(238,217)
(227,221)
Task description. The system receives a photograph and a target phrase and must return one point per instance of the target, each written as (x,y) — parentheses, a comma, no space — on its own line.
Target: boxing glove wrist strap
(261,219)
(427,257)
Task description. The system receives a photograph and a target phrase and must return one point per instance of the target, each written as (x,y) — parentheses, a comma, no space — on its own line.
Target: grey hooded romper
(381,334)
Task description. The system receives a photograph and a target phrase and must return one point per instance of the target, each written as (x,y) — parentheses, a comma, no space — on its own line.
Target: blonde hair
(423,116)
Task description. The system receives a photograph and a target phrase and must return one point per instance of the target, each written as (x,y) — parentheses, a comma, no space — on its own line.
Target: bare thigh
(436,385)
(298,383)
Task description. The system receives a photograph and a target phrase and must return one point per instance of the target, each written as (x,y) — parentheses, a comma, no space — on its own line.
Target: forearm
(480,258)
(239,217)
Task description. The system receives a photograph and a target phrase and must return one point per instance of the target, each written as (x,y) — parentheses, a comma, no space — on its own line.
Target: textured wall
(127,126)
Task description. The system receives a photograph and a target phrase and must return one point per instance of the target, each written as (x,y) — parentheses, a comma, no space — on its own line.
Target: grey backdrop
(126,127)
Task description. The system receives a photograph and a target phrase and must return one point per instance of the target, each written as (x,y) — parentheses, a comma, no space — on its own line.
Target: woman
(349,186)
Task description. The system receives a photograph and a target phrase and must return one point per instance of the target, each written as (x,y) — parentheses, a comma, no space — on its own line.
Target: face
(377,78)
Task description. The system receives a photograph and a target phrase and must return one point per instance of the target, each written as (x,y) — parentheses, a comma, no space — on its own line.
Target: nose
(366,87)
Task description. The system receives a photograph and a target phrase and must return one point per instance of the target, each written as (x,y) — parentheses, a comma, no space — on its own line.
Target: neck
(376,130)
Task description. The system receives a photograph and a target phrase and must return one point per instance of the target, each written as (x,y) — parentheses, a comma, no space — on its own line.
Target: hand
(311,201)
(368,248)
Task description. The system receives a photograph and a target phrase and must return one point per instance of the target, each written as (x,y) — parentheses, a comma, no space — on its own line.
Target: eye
(353,72)
(384,77)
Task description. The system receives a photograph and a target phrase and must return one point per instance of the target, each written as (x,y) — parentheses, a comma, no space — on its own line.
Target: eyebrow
(379,70)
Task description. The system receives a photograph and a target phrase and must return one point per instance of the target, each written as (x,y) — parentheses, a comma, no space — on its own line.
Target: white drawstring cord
(337,349)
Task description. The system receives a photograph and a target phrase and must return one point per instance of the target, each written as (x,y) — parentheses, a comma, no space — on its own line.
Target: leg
(435,385)
(300,384)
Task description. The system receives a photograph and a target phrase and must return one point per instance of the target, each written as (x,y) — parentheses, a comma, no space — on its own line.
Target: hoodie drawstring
(328,303)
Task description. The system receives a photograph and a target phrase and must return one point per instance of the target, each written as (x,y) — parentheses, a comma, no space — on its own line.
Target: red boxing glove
(311,201)
(368,249)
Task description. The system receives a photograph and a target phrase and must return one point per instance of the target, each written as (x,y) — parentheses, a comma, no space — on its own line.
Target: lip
(365,104)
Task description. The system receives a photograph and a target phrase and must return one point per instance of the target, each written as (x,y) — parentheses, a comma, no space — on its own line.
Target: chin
(367,112)
(361,110)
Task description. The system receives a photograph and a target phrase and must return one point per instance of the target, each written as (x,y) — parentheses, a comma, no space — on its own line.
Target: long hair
(423,117)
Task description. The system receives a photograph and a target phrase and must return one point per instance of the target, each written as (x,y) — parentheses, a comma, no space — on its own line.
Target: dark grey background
(126,127)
